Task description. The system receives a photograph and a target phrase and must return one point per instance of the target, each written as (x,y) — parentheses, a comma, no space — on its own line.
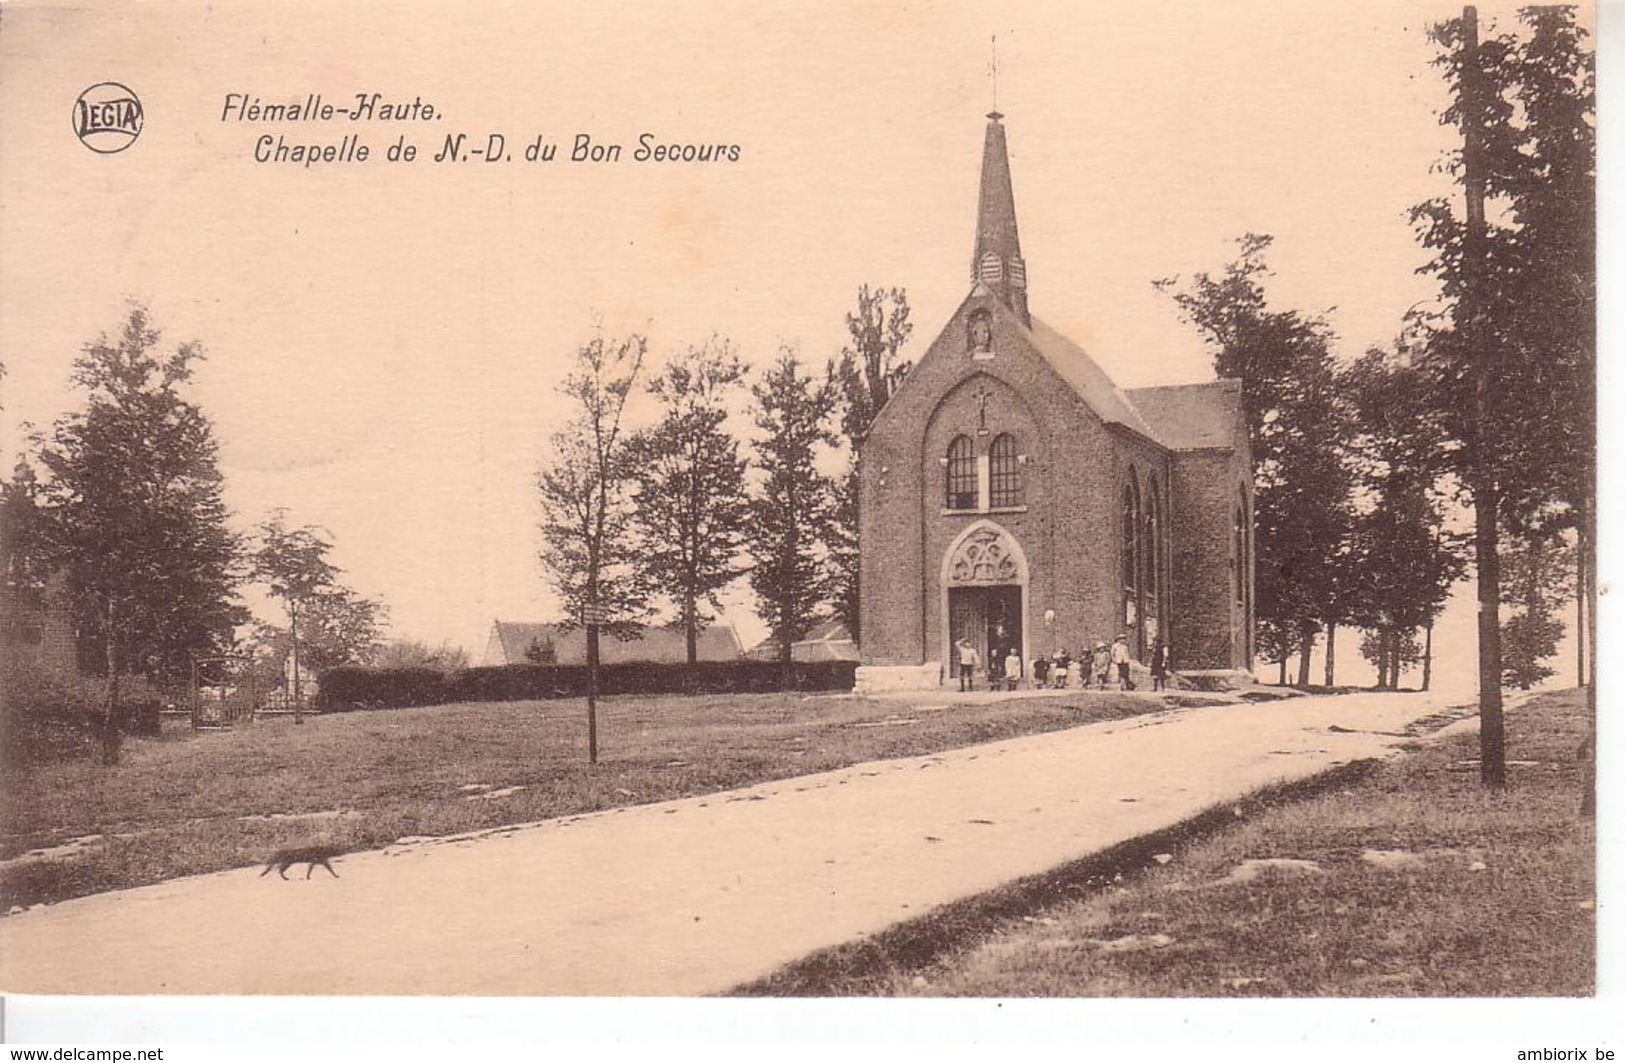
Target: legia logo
(107,118)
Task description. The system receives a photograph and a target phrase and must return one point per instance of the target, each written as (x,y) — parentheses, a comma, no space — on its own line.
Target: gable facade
(1010,493)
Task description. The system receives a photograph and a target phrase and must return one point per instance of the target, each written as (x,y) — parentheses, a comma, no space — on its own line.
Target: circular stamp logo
(107,117)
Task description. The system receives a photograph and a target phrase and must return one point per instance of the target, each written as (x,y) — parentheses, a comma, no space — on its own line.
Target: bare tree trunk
(592,690)
(1491,726)
(1282,680)
(1331,655)
(1382,659)
(1580,604)
(293,631)
(787,661)
(1306,650)
(691,630)
(1427,657)
(110,722)
(1486,499)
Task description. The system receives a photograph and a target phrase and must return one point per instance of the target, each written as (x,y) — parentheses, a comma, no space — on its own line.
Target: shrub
(47,717)
(343,689)
(368,688)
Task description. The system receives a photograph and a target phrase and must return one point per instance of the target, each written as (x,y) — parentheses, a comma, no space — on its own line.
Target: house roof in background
(511,639)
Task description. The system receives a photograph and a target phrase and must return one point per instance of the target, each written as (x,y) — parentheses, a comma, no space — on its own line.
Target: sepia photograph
(945,505)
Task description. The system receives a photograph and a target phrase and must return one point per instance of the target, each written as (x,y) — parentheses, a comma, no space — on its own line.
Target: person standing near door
(968,660)
(1120,659)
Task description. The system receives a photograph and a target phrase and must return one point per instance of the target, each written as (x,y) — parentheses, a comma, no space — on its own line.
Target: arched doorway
(984,594)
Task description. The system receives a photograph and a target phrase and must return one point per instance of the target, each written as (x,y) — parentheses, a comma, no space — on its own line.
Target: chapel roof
(1091,383)
(1192,416)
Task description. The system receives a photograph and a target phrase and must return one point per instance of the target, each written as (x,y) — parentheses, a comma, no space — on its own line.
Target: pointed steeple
(997,261)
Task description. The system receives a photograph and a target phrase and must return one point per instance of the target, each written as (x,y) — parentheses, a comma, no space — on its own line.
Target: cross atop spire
(996,261)
(993,72)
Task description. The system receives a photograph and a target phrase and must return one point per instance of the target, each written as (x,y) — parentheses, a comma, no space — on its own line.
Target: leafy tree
(587,510)
(1537,579)
(866,374)
(1512,351)
(792,514)
(1392,650)
(411,653)
(134,509)
(292,564)
(337,628)
(1404,562)
(691,507)
(24,562)
(586,491)
(1296,425)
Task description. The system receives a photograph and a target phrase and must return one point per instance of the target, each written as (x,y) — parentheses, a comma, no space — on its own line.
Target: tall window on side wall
(1131,553)
(1244,566)
(961,474)
(1153,554)
(1240,552)
(1006,473)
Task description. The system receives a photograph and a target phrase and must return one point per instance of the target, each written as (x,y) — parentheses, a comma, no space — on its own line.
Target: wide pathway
(694,896)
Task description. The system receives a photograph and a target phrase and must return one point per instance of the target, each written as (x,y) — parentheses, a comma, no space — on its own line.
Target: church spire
(997,262)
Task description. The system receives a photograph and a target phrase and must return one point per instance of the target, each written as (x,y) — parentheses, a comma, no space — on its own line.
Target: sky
(383,338)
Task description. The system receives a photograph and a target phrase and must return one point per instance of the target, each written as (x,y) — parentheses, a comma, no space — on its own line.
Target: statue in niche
(980,329)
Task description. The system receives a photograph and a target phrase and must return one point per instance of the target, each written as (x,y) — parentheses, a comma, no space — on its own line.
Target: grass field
(186,803)
(1406,878)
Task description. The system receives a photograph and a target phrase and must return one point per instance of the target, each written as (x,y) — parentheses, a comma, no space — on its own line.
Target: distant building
(829,641)
(1013,497)
(519,643)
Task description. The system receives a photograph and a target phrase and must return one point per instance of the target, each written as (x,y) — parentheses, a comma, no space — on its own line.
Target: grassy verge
(186,803)
(1401,878)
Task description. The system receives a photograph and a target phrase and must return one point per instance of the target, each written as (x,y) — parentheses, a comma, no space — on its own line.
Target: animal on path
(310,856)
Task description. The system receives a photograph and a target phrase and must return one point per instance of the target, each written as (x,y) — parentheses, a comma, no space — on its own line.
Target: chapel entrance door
(990,617)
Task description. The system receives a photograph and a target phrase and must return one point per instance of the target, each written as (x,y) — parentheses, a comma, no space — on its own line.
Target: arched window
(1153,553)
(1006,472)
(1244,568)
(1131,552)
(961,474)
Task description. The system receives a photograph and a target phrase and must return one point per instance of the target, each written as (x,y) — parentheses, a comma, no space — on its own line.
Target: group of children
(1094,669)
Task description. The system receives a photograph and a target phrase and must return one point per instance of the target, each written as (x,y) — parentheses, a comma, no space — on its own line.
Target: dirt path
(694,896)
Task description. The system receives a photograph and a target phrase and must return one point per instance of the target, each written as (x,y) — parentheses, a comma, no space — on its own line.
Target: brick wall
(1070,524)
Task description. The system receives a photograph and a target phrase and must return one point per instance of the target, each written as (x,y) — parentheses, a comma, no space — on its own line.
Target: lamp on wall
(1049,628)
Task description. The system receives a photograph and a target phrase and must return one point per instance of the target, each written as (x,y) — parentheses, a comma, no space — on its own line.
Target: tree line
(672,514)
(1485,404)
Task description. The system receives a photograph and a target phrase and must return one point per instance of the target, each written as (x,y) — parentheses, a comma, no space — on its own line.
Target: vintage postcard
(1091,503)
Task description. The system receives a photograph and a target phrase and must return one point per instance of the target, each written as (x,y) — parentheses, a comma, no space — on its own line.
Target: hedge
(344,689)
(47,718)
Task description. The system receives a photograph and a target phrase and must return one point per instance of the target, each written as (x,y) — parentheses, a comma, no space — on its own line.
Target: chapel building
(1013,496)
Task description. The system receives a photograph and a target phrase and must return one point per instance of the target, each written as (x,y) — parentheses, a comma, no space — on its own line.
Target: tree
(691,507)
(591,556)
(866,375)
(336,628)
(293,565)
(1512,350)
(24,561)
(329,625)
(792,514)
(1297,426)
(1404,562)
(412,653)
(134,510)
(1537,579)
